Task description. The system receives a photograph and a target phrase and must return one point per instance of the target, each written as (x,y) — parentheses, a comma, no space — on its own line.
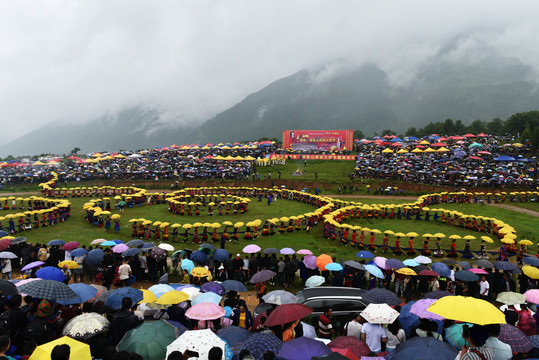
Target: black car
(343,300)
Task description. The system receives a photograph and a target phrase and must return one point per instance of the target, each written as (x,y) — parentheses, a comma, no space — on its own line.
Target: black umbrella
(484,263)
(381,296)
(163,279)
(465,275)
(449,262)
(7,288)
(420,268)
(18,240)
(158,254)
(438,294)
(271,251)
(94,257)
(354,264)
(465,265)
(261,276)
(504,265)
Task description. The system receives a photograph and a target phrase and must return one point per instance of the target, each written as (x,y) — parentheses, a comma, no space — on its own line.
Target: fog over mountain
(131,74)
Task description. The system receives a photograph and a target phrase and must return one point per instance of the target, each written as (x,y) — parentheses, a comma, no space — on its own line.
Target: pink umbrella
(26,281)
(120,248)
(380,262)
(304,252)
(70,245)
(205,311)
(97,241)
(532,296)
(251,249)
(420,307)
(478,271)
(310,261)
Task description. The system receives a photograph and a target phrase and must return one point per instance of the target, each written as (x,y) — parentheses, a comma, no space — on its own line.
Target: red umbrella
(70,245)
(428,273)
(347,353)
(357,347)
(4,244)
(286,313)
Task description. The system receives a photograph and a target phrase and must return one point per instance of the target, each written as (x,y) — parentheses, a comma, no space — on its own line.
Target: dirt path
(517,209)
(374,197)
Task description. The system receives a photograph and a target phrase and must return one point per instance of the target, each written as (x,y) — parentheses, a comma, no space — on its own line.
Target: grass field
(76,229)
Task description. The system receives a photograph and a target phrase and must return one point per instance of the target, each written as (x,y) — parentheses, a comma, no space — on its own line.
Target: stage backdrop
(336,140)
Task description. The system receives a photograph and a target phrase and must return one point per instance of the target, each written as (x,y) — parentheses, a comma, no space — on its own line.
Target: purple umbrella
(420,307)
(394,264)
(213,287)
(380,261)
(159,254)
(261,276)
(70,245)
(303,348)
(310,261)
(50,273)
(287,251)
(32,265)
(120,248)
(251,249)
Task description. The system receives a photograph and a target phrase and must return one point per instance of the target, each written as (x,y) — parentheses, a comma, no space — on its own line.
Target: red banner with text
(312,157)
(334,140)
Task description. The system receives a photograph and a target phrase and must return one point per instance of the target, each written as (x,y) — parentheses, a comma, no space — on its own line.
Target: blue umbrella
(530,260)
(56,242)
(115,297)
(135,243)
(85,292)
(410,262)
(465,275)
(179,253)
(234,285)
(131,252)
(303,348)
(441,269)
(314,281)
(453,335)
(79,252)
(394,264)
(148,245)
(94,257)
(221,255)
(407,319)
(375,271)
(233,334)
(199,257)
(187,265)
(48,289)
(364,254)
(108,243)
(160,289)
(381,296)
(428,347)
(504,265)
(258,344)
(465,265)
(207,297)
(334,267)
(3,233)
(118,241)
(50,273)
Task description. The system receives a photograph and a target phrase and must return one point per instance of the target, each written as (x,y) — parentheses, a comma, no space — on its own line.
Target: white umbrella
(380,314)
(315,280)
(7,255)
(192,292)
(166,247)
(422,259)
(200,341)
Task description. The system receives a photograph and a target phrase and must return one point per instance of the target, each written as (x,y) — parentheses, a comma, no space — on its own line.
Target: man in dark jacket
(17,320)
(123,321)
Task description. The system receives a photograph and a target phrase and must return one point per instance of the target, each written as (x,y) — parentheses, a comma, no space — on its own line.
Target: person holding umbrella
(476,337)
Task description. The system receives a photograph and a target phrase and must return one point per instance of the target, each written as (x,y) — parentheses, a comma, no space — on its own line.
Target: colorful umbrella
(428,273)
(379,314)
(200,272)
(380,261)
(531,271)
(166,247)
(200,341)
(205,311)
(468,309)
(286,313)
(7,255)
(304,252)
(410,262)
(422,259)
(78,350)
(69,263)
(149,339)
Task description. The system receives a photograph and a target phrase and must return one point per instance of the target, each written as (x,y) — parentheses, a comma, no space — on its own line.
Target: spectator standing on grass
(124,272)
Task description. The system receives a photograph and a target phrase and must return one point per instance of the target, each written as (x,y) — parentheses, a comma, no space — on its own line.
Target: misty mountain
(331,97)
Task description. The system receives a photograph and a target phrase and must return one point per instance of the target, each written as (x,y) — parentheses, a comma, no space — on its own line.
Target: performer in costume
(371,243)
(453,252)
(411,250)
(467,254)
(398,250)
(426,251)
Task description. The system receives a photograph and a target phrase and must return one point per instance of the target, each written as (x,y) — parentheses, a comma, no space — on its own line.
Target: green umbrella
(150,339)
(511,298)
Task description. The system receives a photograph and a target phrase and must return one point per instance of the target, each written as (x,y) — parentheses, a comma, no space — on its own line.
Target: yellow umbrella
(78,350)
(525,242)
(148,297)
(105,212)
(115,216)
(187,226)
(487,239)
(469,237)
(389,232)
(400,234)
(227,223)
(406,271)
(175,226)
(238,224)
(172,298)
(200,272)
(467,309)
(531,271)
(454,236)
(70,264)
(439,235)
(507,240)
(412,234)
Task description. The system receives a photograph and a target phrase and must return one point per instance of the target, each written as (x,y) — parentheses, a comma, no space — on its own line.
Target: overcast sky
(76,60)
